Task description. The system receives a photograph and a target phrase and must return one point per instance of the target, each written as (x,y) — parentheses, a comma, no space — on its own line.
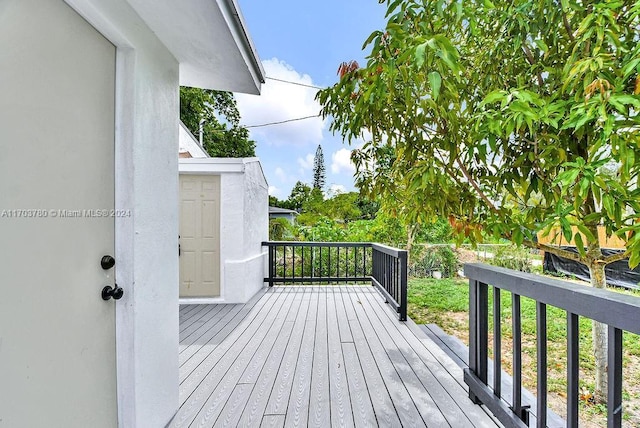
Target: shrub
(511,257)
(280,229)
(440,258)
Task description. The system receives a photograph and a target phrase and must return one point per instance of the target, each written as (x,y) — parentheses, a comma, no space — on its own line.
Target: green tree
(274,201)
(313,208)
(299,195)
(343,207)
(217,113)
(319,172)
(510,117)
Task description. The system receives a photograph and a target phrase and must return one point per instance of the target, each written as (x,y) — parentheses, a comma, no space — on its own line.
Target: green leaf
(566,229)
(420,54)
(582,228)
(435,81)
(518,237)
(493,97)
(630,67)
(542,45)
(579,244)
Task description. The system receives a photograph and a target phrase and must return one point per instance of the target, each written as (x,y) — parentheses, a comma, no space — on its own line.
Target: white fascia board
(209,40)
(210,165)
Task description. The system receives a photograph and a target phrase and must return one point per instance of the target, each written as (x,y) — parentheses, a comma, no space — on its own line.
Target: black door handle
(107,262)
(108,292)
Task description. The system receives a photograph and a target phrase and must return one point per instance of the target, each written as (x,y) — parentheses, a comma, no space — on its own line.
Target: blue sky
(302,41)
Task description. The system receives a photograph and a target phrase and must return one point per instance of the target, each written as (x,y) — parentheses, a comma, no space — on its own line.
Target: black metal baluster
(293,261)
(516,317)
(573,369)
(403,287)
(541,339)
(497,344)
(614,378)
(473,333)
(272,272)
(483,331)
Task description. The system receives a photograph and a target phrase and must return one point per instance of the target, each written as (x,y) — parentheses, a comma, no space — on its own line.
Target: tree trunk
(411,236)
(599,334)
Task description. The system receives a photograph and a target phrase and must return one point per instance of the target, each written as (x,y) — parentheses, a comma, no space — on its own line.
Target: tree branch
(567,26)
(484,197)
(555,250)
(614,258)
(532,62)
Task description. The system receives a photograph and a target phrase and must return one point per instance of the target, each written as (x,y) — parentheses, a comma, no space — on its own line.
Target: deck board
(386,375)
(340,401)
(279,397)
(315,356)
(229,370)
(298,408)
(434,404)
(319,406)
(441,366)
(201,321)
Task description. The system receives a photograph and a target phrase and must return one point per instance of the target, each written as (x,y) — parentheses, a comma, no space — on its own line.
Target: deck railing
(295,262)
(619,311)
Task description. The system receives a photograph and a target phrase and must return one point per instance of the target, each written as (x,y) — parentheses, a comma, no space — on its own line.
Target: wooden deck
(315,356)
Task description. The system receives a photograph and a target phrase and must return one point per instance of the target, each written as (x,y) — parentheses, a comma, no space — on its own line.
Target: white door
(199,235)
(57,335)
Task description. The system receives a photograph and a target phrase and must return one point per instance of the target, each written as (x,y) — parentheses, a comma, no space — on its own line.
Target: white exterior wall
(244,275)
(147,184)
(188,144)
(244,217)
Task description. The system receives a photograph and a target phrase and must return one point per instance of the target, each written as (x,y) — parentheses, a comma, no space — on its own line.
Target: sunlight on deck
(315,356)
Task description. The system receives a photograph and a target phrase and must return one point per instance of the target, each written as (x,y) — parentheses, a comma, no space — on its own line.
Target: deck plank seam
(277,324)
(386,366)
(468,409)
(293,368)
(264,376)
(367,354)
(298,372)
(205,377)
(205,328)
(379,326)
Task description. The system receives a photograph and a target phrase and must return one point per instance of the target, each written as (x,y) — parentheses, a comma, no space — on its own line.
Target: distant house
(277,212)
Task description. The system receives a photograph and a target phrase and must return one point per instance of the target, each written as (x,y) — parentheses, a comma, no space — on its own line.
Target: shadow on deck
(316,356)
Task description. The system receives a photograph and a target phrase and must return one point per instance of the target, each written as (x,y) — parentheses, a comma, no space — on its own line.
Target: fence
(619,311)
(294,262)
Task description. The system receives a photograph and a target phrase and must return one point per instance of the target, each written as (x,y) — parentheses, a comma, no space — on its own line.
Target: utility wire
(282,121)
(294,83)
(288,120)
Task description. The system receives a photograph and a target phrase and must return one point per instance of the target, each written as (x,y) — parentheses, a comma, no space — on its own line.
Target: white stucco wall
(244,275)
(244,217)
(188,143)
(147,184)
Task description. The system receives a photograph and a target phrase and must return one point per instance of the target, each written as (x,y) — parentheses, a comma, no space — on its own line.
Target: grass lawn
(446,301)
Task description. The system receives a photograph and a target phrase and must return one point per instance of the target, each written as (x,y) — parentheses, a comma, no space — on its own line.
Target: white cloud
(306,162)
(336,189)
(341,162)
(282,101)
(274,191)
(279,172)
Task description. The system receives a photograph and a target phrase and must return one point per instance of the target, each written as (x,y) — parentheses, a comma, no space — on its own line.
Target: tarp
(618,273)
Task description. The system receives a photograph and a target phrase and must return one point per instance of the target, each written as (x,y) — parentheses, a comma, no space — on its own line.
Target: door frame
(124,226)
